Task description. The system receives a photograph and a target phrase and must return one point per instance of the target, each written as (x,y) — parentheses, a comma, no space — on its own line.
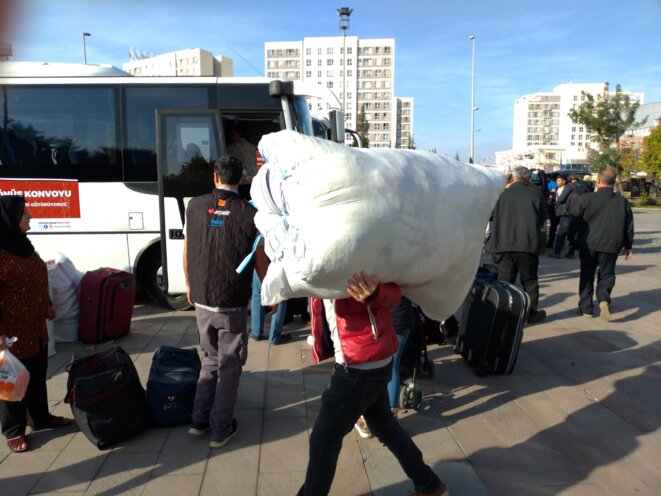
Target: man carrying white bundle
(363,342)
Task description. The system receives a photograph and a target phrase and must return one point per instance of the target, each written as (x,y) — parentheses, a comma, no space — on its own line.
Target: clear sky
(523,46)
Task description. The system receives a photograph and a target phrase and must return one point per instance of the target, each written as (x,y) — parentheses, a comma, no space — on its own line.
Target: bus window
(60,132)
(141,103)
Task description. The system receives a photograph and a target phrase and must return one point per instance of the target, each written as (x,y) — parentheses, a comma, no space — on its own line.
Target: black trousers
(14,414)
(525,265)
(590,262)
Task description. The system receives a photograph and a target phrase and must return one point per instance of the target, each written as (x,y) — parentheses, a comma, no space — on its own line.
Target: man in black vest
(219,233)
(607,228)
(517,236)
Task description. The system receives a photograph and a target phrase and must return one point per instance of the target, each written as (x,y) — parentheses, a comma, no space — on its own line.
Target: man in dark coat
(517,236)
(607,228)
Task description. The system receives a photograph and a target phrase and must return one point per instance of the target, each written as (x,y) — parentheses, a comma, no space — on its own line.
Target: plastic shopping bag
(14,377)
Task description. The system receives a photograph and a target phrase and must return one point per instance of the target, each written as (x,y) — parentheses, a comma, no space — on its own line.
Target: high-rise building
(405,123)
(369,76)
(543,134)
(188,62)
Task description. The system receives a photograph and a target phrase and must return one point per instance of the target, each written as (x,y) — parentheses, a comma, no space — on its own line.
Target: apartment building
(188,62)
(405,123)
(544,136)
(367,82)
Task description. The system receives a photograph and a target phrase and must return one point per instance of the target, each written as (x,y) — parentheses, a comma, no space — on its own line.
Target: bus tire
(150,277)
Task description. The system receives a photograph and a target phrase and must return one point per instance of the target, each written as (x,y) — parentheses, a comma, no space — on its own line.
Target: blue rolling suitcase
(171,386)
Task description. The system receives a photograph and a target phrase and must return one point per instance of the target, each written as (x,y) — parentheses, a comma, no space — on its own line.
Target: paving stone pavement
(580,415)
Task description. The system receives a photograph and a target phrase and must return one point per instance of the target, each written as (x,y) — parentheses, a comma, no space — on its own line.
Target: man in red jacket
(359,333)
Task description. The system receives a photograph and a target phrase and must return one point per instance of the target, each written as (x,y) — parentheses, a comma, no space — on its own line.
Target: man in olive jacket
(517,236)
(607,228)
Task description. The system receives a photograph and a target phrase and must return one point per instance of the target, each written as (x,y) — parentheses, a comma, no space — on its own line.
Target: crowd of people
(598,224)
(365,333)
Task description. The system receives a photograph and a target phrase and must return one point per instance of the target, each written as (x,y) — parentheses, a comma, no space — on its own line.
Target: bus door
(187,143)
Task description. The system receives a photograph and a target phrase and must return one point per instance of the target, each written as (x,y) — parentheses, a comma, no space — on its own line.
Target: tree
(456,156)
(650,160)
(629,160)
(606,118)
(363,127)
(411,144)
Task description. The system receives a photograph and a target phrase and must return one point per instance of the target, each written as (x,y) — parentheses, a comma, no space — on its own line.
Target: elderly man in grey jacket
(517,236)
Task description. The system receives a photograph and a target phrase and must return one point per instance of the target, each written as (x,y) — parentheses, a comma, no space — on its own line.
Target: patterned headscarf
(11,237)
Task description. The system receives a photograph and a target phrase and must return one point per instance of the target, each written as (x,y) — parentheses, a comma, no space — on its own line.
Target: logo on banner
(260,159)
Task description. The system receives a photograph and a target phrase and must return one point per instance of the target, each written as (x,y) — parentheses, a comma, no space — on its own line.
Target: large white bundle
(410,217)
(64,283)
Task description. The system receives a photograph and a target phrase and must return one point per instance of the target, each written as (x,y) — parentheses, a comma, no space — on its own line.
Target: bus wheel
(151,281)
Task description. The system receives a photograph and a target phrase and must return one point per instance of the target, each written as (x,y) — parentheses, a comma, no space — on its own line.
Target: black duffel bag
(106,397)
(171,386)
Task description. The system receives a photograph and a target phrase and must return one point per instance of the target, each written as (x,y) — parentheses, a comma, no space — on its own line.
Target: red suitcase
(107,297)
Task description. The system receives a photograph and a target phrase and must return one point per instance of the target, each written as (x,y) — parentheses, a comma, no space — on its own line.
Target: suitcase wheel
(409,396)
(417,400)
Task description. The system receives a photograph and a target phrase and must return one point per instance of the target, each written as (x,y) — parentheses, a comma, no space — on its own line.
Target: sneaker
(536,316)
(555,255)
(569,255)
(281,339)
(199,428)
(223,442)
(362,428)
(253,337)
(605,311)
(442,490)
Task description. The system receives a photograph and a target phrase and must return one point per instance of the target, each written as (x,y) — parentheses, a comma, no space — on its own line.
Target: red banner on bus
(260,160)
(46,198)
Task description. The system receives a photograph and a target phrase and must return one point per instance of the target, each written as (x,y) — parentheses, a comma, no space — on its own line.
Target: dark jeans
(351,393)
(511,264)
(14,414)
(564,226)
(590,262)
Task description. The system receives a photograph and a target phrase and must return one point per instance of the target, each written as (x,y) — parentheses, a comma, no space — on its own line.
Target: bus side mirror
(337,126)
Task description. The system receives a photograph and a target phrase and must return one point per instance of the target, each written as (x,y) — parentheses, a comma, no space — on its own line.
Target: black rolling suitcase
(491,326)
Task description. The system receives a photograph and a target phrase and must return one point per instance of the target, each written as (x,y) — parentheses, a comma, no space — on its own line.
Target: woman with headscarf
(24,307)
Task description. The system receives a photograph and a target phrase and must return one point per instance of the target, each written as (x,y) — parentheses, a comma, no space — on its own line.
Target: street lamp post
(85,35)
(473,107)
(344,13)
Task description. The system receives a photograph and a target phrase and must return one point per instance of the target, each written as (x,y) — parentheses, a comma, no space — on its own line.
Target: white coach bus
(108,161)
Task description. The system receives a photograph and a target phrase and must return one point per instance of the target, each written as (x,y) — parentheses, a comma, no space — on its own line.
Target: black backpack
(574,199)
(106,397)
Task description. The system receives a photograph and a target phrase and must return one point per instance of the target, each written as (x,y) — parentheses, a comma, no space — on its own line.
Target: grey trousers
(224,340)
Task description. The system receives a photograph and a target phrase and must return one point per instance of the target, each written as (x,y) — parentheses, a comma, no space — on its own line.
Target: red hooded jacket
(365,329)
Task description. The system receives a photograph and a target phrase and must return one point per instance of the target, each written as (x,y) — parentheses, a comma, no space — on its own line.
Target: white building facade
(188,62)
(368,82)
(544,136)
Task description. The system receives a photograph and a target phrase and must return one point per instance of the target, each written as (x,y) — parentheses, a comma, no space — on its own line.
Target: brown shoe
(441,490)
(605,311)
(362,428)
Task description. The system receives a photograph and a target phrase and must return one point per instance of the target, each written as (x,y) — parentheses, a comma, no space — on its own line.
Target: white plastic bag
(410,217)
(64,283)
(14,377)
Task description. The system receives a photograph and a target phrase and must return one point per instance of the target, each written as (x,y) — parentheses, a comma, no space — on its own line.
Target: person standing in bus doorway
(219,233)
(24,307)
(247,153)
